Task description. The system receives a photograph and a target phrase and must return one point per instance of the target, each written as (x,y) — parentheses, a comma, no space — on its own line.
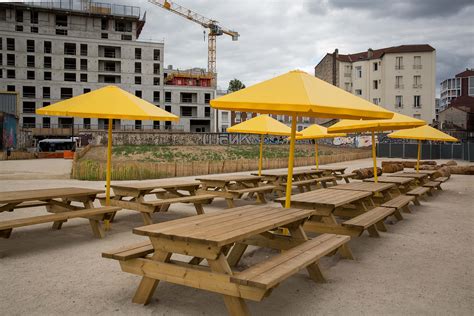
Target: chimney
(336,53)
(370,53)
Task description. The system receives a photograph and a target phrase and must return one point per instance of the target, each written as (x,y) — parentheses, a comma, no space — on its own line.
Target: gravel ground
(422,265)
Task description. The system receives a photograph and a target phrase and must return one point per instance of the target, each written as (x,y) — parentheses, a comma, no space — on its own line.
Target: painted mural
(9,131)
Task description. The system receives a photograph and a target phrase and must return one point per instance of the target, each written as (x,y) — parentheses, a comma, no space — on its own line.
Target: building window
(376,101)
(30,61)
(61,32)
(46,122)
(398,82)
(358,71)
(104,35)
(66,93)
(225,117)
(138,53)
(358,92)
(83,77)
(471,86)
(168,108)
(187,97)
(138,93)
(156,96)
(29,92)
(30,46)
(47,62)
(347,70)
(138,124)
(30,75)
(399,63)
(61,20)
(375,84)
(138,80)
(34,17)
(29,107)
(138,68)
(11,88)
(207,111)
(19,28)
(126,37)
(83,64)
(70,63)
(156,124)
(417,116)
(46,92)
(87,123)
(207,98)
(10,44)
(104,24)
(11,73)
(1,43)
(19,16)
(347,86)
(69,49)
(399,101)
(187,111)
(156,81)
(167,96)
(123,26)
(34,29)
(417,101)
(86,90)
(47,76)
(376,66)
(10,60)
(29,122)
(70,76)
(417,82)
(47,47)
(156,69)
(156,54)
(417,62)
(83,49)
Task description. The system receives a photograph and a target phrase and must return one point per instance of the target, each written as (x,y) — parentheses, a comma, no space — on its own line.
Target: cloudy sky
(281,35)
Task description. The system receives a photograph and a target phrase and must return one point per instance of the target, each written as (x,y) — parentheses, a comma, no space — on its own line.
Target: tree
(235,85)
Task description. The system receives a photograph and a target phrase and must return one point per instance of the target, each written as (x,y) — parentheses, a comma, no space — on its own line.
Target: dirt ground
(422,265)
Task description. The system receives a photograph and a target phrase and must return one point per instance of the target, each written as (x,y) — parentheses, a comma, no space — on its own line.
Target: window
(10,44)
(19,28)
(70,63)
(61,20)
(29,107)
(138,93)
(30,61)
(83,64)
(187,97)
(1,59)
(47,75)
(11,73)
(46,122)
(70,76)
(375,84)
(207,111)
(417,62)
(47,47)
(19,16)
(156,124)
(86,90)
(87,123)
(376,66)
(138,124)
(187,111)
(347,86)
(359,71)
(30,75)
(126,37)
(34,17)
(225,116)
(123,26)
(347,70)
(61,32)
(104,24)
(207,98)
(29,122)
(83,77)
(47,62)
(399,63)
(417,82)
(358,92)
(376,101)
(156,54)
(34,29)
(156,96)
(83,49)
(1,43)
(167,96)
(138,80)
(10,60)
(104,35)
(30,46)
(46,92)
(11,88)
(417,101)
(138,53)
(156,69)
(398,82)
(417,116)
(399,101)
(69,49)
(1,73)
(168,108)
(29,92)
(156,81)
(471,86)
(66,93)
(138,68)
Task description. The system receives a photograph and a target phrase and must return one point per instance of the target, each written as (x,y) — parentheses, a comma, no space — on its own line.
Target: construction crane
(214,29)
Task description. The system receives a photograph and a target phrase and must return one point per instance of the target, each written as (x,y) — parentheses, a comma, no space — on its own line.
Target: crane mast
(212,25)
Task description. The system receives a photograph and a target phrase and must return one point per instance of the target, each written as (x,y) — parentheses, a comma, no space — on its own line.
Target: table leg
(148,285)
(230,202)
(147,218)
(236,253)
(199,208)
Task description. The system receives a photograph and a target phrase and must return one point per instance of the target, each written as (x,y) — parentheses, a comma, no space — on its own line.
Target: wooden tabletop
(397,180)
(45,194)
(230,178)
(156,185)
(409,175)
(333,169)
(226,226)
(327,197)
(364,186)
(284,173)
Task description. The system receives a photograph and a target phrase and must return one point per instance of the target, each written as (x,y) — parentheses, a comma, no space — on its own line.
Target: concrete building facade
(451,88)
(401,78)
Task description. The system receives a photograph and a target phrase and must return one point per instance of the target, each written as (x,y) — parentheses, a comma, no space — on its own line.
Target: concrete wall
(454,116)
(324,70)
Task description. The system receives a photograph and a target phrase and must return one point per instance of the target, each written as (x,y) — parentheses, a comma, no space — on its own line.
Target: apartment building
(222,116)
(451,88)
(401,78)
(51,51)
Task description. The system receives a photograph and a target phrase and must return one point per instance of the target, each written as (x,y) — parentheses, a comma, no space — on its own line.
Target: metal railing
(88,6)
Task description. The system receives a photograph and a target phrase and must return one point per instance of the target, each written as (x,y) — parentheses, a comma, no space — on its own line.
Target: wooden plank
(364,186)
(45,194)
(399,202)
(184,199)
(328,197)
(137,250)
(147,185)
(369,218)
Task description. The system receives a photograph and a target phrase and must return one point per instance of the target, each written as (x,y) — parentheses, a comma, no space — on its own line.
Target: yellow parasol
(110,103)
(423,133)
(262,125)
(315,132)
(297,93)
(398,121)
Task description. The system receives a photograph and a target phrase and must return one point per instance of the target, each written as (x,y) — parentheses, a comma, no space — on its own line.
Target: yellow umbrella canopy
(110,103)
(315,132)
(262,125)
(422,133)
(297,93)
(398,121)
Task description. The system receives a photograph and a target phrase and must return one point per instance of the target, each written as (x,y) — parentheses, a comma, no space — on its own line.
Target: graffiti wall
(8,131)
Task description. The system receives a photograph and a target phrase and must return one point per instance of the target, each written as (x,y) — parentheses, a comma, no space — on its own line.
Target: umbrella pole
(418,158)
(316,154)
(374,157)
(109,163)
(260,160)
(289,180)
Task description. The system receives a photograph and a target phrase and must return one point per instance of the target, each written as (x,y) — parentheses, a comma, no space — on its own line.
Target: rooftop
(466,73)
(378,53)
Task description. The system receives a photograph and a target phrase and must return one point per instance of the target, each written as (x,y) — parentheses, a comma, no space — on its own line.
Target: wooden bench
(400,203)
(419,192)
(432,185)
(95,215)
(441,179)
(271,272)
(260,191)
(372,220)
(163,205)
(345,176)
(138,250)
(30,204)
(302,184)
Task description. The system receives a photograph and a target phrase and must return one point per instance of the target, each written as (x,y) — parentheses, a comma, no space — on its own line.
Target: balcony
(398,67)
(417,86)
(417,67)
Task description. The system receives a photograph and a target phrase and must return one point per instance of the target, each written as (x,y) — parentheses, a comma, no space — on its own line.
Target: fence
(93,170)
(463,151)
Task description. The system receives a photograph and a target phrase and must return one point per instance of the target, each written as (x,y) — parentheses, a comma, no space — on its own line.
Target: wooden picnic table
(221,238)
(380,191)
(420,177)
(132,195)
(430,173)
(333,170)
(232,187)
(404,184)
(329,203)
